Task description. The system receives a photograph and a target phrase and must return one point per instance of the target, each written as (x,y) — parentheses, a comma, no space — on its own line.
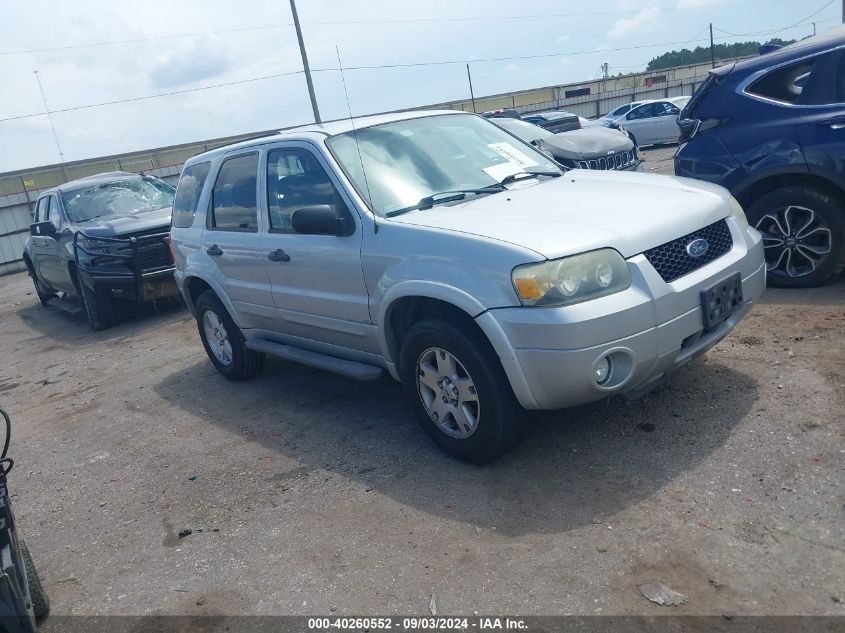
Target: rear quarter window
(784,85)
(188,194)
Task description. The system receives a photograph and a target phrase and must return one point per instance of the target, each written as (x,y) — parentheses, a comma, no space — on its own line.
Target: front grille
(672,261)
(619,160)
(151,249)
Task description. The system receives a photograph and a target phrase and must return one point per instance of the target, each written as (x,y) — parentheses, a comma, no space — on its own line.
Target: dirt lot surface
(308,493)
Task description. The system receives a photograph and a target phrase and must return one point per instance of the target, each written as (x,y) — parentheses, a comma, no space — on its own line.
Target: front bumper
(141,288)
(650,330)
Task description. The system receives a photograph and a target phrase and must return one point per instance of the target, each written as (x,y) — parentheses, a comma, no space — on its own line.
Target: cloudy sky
(109,51)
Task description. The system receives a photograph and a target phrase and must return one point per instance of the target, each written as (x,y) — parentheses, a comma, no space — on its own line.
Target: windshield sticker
(502,170)
(509,152)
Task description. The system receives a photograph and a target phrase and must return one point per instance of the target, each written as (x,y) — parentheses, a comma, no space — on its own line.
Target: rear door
(317,280)
(231,240)
(821,120)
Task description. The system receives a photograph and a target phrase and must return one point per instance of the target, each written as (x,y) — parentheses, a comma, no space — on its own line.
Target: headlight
(571,279)
(94,245)
(738,213)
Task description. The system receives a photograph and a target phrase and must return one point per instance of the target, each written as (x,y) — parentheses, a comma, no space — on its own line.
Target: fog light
(603,370)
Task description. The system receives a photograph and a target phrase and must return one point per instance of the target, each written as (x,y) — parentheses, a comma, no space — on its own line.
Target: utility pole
(49,116)
(712,50)
(814,28)
(305,66)
(472,95)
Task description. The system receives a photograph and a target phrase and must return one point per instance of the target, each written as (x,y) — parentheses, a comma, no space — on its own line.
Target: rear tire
(223,340)
(98,308)
(466,403)
(803,235)
(44,295)
(39,597)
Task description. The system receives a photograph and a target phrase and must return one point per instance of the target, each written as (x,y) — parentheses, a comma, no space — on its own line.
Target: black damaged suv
(103,239)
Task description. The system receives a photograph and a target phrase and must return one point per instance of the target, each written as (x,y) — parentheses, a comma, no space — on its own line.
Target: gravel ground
(308,493)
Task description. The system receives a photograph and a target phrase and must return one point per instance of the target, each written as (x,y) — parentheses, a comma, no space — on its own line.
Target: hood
(142,221)
(592,142)
(584,210)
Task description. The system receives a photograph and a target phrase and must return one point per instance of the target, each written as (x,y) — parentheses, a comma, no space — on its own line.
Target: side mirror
(44,229)
(317,219)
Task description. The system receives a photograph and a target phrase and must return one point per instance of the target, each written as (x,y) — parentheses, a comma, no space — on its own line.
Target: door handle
(834,124)
(278,255)
(214,250)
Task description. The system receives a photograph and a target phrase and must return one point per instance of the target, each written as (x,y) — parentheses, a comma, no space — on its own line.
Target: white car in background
(654,121)
(609,119)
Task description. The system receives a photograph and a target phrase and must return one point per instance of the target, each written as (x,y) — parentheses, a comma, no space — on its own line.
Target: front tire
(803,235)
(224,342)
(98,308)
(459,392)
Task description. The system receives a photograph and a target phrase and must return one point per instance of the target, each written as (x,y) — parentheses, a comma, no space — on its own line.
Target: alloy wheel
(217,337)
(795,241)
(448,393)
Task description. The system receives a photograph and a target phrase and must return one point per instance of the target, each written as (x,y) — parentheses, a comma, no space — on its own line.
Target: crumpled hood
(591,142)
(584,210)
(110,226)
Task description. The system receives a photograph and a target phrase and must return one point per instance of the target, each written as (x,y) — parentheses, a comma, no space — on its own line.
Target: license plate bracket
(721,300)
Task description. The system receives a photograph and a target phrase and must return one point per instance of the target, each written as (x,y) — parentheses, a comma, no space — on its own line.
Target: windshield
(526,131)
(120,198)
(406,161)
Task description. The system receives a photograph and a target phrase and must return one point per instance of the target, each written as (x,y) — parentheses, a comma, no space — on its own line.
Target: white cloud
(698,4)
(563,39)
(510,68)
(646,20)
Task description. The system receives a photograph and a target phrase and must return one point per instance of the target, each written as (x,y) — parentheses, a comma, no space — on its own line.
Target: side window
(643,112)
(784,84)
(188,194)
(667,109)
(233,200)
(53,213)
(295,179)
(41,210)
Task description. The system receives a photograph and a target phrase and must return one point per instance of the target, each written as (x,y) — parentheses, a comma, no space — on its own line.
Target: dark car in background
(772,131)
(103,239)
(591,148)
(560,121)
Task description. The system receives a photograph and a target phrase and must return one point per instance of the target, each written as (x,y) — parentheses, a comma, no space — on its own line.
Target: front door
(665,124)
(318,283)
(640,123)
(231,241)
(51,267)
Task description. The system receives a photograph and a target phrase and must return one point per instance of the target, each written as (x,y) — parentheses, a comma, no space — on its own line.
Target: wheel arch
(749,192)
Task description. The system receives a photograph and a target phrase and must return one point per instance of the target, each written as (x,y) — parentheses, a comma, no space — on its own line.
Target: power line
(405,65)
(786,28)
(153,96)
(264,27)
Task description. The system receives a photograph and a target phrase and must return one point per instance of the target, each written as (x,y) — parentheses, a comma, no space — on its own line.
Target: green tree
(701,54)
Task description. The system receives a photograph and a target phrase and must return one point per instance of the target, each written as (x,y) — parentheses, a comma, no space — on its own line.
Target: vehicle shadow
(64,321)
(577,466)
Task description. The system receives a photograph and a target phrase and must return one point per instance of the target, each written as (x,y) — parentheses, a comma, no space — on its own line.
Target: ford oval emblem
(698,247)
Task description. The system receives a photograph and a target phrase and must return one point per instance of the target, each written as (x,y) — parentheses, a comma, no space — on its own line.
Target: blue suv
(772,131)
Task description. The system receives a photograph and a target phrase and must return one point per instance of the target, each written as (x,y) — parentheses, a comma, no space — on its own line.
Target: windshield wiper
(528,174)
(460,194)
(450,196)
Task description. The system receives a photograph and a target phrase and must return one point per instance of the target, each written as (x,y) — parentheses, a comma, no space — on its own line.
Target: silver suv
(439,248)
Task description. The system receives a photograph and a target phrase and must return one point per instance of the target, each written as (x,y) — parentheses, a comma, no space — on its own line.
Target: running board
(348,368)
